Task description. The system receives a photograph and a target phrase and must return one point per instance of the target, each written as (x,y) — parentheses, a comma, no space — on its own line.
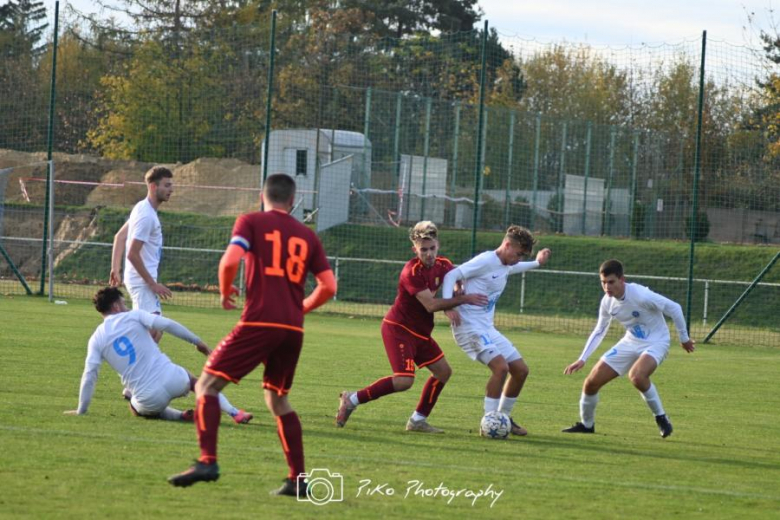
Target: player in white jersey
(642,349)
(141,236)
(473,328)
(123,340)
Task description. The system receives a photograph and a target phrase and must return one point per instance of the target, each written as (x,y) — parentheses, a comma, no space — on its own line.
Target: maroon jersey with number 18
(407,310)
(281,251)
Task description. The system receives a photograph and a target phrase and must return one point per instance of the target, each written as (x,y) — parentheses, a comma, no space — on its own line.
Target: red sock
(430,394)
(291,435)
(376,390)
(207,416)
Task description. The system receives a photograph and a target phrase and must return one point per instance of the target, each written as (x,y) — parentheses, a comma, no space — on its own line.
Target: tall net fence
(599,151)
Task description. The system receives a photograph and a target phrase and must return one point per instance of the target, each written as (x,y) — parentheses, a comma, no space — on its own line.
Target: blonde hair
(423,230)
(520,236)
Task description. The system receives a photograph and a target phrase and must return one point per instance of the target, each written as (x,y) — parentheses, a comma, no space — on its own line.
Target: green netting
(593,148)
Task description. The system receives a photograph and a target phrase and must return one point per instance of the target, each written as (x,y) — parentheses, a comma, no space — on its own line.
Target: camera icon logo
(321,486)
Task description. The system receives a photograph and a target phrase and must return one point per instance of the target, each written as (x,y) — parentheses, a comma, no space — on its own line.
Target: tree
(21,29)
(575,84)
(21,94)
(767,115)
(402,18)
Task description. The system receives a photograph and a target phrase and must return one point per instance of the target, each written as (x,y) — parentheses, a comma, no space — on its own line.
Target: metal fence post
(269,95)
(561,178)
(610,172)
(426,149)
(509,168)
(537,139)
(696,173)
(50,146)
(480,129)
(587,174)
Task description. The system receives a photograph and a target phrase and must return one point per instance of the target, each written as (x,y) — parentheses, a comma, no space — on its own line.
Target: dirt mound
(207,186)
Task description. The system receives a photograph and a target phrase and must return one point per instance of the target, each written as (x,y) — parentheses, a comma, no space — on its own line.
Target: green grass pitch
(723,460)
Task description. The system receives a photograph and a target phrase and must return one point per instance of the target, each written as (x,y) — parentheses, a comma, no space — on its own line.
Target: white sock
(170,414)
(653,400)
(506,404)
(491,405)
(353,399)
(418,417)
(588,409)
(226,407)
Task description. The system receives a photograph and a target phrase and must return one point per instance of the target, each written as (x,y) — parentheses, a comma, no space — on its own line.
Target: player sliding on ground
(406,332)
(642,349)
(279,253)
(152,380)
(473,329)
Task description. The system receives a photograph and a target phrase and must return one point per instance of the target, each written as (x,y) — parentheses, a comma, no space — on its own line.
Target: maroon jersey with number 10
(281,251)
(407,310)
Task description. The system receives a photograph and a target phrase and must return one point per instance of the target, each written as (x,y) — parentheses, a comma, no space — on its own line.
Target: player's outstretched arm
(117,253)
(325,290)
(228,268)
(433,304)
(177,329)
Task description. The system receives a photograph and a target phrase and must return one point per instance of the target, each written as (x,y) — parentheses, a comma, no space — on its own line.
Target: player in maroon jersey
(278,252)
(406,331)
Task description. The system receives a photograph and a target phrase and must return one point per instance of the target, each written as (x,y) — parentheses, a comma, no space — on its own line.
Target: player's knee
(500,369)
(639,380)
(590,387)
(444,374)
(401,384)
(519,371)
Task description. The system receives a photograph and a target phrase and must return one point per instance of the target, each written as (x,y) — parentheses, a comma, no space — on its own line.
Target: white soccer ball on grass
(495,425)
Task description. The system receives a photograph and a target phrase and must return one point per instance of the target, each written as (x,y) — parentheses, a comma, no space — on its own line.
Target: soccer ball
(495,425)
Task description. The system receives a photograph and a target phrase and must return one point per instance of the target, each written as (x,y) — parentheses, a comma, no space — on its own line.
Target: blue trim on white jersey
(242,242)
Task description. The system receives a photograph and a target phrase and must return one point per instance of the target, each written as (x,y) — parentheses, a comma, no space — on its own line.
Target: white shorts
(624,354)
(175,382)
(485,345)
(144,299)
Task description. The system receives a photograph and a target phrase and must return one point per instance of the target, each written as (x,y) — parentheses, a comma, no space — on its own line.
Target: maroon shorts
(405,349)
(248,346)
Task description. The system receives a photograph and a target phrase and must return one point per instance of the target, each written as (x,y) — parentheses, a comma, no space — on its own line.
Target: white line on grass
(555,478)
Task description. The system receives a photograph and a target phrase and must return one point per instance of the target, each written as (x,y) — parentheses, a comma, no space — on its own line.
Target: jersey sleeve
(242,233)
(522,267)
(142,229)
(319,261)
(671,309)
(599,332)
(90,375)
(175,328)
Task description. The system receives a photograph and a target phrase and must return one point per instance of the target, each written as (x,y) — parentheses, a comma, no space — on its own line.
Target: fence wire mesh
(593,148)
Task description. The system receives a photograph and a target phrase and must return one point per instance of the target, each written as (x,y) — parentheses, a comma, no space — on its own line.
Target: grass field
(723,460)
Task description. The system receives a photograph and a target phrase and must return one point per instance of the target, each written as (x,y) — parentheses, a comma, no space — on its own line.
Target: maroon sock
(375,390)
(291,435)
(207,416)
(430,394)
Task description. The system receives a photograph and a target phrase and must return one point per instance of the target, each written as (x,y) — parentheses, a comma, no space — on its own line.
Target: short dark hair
(611,267)
(158,173)
(105,298)
(279,187)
